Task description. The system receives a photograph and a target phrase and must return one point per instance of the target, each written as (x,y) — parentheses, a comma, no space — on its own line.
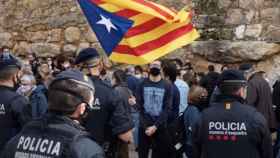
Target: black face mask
(155,71)
(203,103)
(84,117)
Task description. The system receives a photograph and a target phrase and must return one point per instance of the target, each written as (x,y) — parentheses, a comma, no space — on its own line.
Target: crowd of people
(79,107)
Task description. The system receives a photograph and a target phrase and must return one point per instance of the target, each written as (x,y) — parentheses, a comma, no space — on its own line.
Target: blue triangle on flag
(109,28)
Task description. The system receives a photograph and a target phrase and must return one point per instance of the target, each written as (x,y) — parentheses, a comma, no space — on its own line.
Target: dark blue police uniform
(53,136)
(11,114)
(230,128)
(11,104)
(108,116)
(56,135)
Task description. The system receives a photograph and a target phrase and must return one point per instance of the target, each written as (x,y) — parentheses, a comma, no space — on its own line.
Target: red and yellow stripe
(156,31)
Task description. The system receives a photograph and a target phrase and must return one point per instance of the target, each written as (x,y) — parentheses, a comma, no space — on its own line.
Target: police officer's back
(108,117)
(59,134)
(229,128)
(11,104)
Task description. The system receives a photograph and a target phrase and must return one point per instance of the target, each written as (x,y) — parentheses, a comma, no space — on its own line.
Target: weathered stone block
(249,4)
(272,33)
(201,21)
(271,14)
(90,36)
(22,48)
(31,4)
(39,36)
(249,15)
(45,49)
(6,39)
(226,34)
(235,17)
(55,35)
(72,34)
(69,49)
(224,3)
(254,30)
(231,52)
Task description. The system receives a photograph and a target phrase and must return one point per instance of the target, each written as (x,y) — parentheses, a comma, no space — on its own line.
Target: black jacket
(53,136)
(125,94)
(231,129)
(108,116)
(12,117)
(260,97)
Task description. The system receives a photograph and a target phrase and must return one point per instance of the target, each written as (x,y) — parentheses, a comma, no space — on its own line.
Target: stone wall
(232,31)
(45,27)
(237,31)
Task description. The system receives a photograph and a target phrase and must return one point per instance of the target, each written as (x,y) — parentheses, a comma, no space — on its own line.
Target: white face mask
(66,65)
(139,76)
(24,89)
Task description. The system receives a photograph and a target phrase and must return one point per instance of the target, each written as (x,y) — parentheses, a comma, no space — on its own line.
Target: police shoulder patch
(227,106)
(86,78)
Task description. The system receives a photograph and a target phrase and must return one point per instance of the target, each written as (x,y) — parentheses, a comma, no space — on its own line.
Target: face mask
(202,103)
(24,89)
(139,76)
(66,66)
(155,71)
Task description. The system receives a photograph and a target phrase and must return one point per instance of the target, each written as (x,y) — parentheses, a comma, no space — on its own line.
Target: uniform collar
(230,98)
(63,119)
(7,87)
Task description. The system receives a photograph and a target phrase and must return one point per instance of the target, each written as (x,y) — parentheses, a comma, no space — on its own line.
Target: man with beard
(155,100)
(11,104)
(59,133)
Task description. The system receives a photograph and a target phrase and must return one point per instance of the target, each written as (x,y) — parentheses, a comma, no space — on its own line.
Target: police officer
(11,104)
(59,134)
(109,117)
(229,128)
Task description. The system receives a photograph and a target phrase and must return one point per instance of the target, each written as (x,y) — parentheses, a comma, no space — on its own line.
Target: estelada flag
(138,31)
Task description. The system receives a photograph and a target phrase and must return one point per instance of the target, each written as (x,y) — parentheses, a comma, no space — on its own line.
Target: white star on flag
(107,22)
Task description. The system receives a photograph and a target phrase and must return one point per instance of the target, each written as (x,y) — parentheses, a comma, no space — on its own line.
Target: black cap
(76,76)
(7,60)
(232,77)
(245,67)
(86,54)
